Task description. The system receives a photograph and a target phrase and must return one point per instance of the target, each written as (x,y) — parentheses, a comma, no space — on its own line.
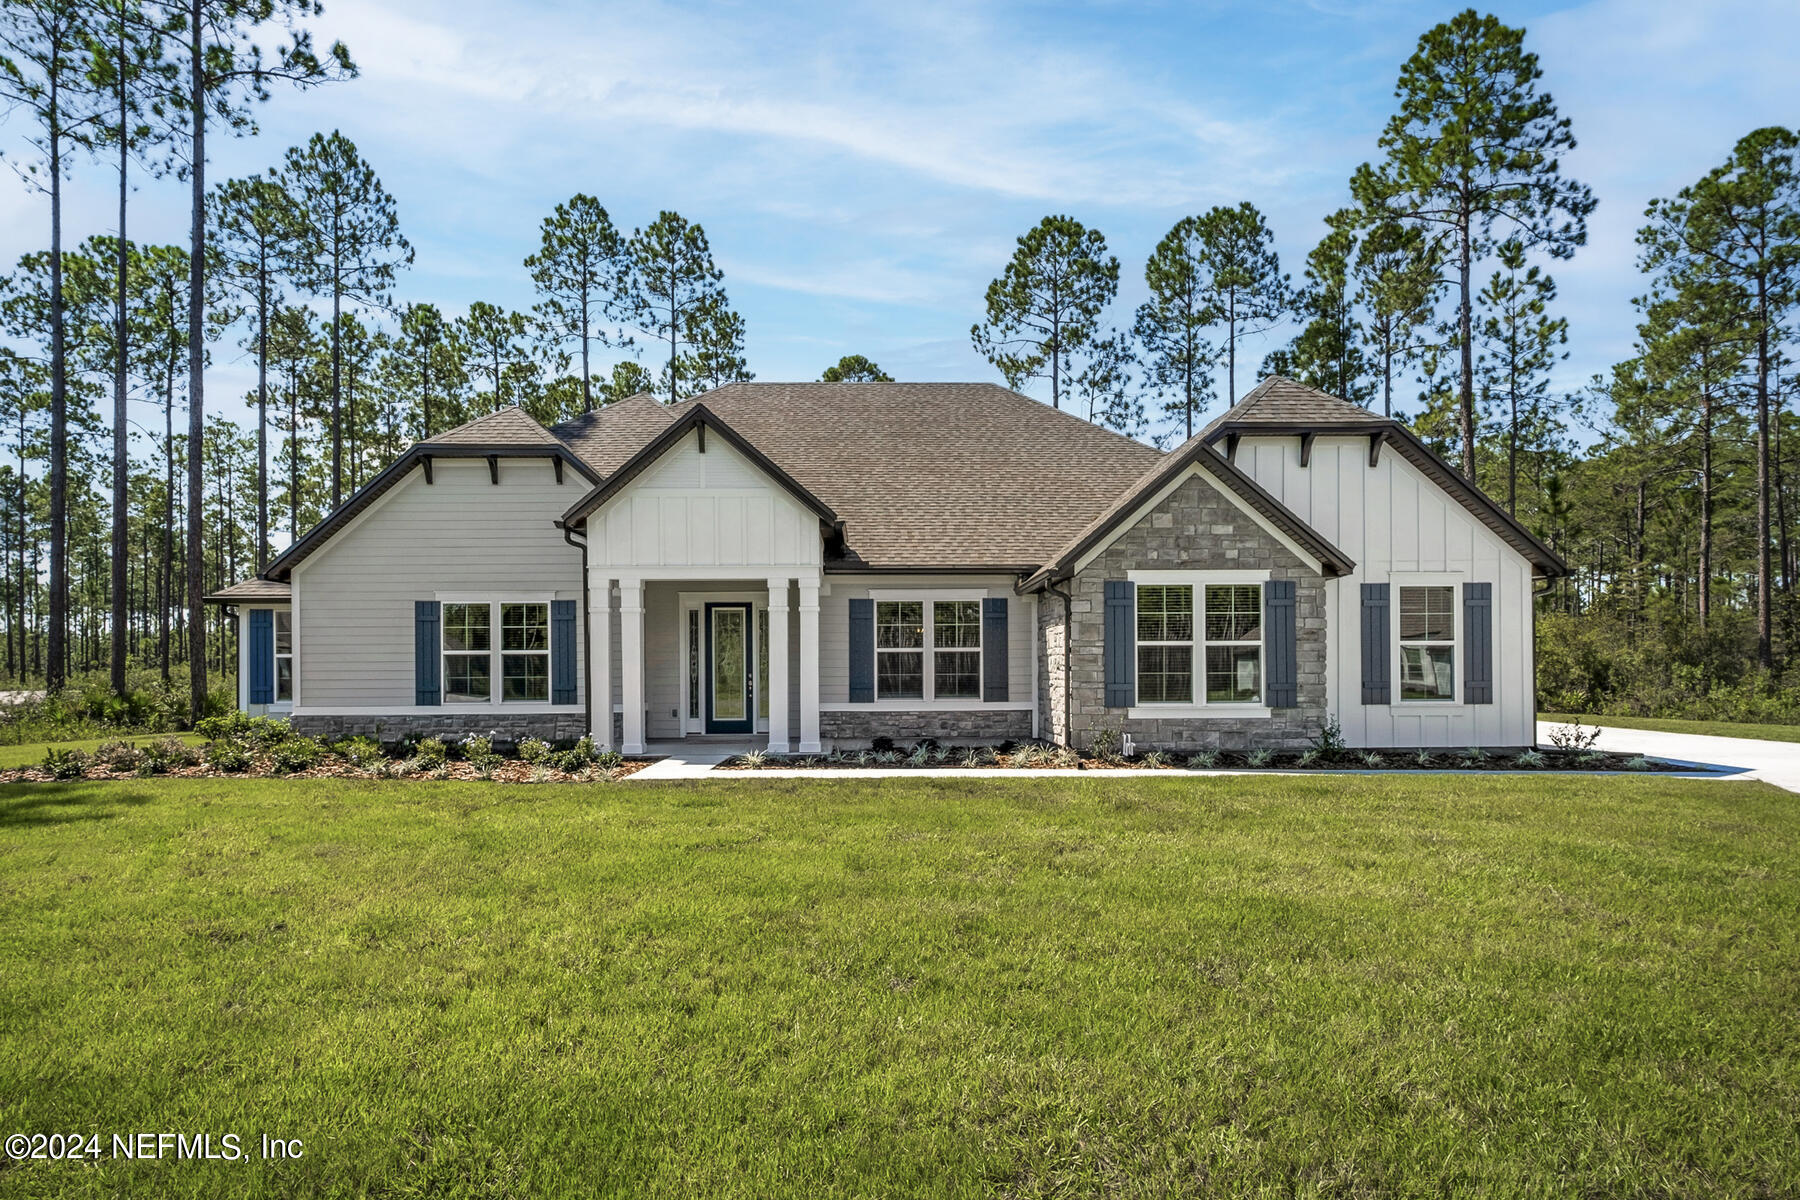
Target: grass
(32,753)
(1772,733)
(1338,986)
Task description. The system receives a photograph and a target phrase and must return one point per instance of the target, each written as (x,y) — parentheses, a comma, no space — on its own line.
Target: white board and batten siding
(714,509)
(459,535)
(1401,528)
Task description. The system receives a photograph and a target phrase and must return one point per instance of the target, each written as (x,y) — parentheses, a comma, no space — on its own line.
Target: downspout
(1067,654)
(587,692)
(1539,588)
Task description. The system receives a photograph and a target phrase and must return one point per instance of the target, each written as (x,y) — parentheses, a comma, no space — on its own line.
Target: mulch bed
(1548,761)
(511,771)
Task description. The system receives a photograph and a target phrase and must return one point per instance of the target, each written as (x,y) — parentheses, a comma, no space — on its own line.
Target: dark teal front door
(730,704)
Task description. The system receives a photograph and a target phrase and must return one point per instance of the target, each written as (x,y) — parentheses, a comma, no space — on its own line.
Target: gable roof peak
(510,426)
(1278,400)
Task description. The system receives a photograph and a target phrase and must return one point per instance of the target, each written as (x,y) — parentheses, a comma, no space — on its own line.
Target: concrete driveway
(1773,762)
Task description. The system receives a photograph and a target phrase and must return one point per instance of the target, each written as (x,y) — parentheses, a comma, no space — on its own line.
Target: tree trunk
(56,675)
(1705,571)
(121,360)
(166,591)
(196,364)
(337,366)
(1765,641)
(1465,331)
(262,411)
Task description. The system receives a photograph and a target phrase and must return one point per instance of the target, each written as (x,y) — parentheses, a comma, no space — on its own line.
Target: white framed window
(1165,649)
(496,651)
(1199,638)
(899,649)
(525,652)
(284,656)
(956,649)
(928,648)
(1233,633)
(1428,643)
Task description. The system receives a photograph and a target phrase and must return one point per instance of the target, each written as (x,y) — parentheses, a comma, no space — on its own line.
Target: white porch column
(599,657)
(631,663)
(809,667)
(778,666)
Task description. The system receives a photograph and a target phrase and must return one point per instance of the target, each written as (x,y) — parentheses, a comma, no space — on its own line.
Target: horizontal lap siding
(1394,521)
(834,628)
(460,533)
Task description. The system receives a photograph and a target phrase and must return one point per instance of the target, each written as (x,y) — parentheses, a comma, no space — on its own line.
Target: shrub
(61,763)
(1156,759)
(609,760)
(259,732)
(479,751)
(1529,759)
(1103,744)
(432,754)
(360,751)
(119,756)
(1373,760)
(171,751)
(1330,738)
(1258,758)
(755,758)
(533,750)
(1574,736)
(227,756)
(296,753)
(1308,757)
(1204,760)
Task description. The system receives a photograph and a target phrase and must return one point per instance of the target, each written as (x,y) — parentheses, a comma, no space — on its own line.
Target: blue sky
(863,171)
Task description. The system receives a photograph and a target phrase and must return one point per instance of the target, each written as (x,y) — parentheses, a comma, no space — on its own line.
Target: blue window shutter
(993,649)
(1280,652)
(1121,643)
(562,652)
(1478,643)
(262,656)
(1376,649)
(862,651)
(427,661)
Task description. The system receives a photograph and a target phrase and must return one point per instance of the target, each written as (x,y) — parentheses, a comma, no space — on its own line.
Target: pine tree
(854,368)
(1046,304)
(1240,278)
(671,286)
(1520,343)
(581,271)
(1475,147)
(1172,325)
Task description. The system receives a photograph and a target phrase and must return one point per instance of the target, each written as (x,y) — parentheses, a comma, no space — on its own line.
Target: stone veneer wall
(507,728)
(976,726)
(1195,528)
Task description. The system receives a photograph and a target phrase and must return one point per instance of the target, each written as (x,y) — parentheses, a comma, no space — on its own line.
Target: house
(817,564)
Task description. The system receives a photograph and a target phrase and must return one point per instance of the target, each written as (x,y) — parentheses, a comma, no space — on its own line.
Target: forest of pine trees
(1671,484)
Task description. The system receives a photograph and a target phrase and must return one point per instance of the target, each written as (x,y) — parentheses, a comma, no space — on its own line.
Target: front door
(729,655)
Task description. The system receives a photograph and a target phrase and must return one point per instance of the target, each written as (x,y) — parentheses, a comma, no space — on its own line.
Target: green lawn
(1333,986)
(1773,733)
(32,753)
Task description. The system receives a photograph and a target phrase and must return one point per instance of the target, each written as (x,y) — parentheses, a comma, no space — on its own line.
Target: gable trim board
(1550,565)
(418,455)
(1244,493)
(698,418)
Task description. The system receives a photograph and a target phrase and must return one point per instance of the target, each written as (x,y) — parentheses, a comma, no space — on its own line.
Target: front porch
(694,662)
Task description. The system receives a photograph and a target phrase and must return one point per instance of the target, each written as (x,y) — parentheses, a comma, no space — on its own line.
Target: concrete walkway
(1744,758)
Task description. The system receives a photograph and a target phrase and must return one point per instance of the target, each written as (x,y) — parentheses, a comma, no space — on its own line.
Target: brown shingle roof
(607,437)
(1279,400)
(251,590)
(932,475)
(508,427)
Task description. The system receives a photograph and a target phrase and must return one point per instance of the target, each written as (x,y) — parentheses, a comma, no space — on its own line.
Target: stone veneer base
(975,726)
(506,728)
